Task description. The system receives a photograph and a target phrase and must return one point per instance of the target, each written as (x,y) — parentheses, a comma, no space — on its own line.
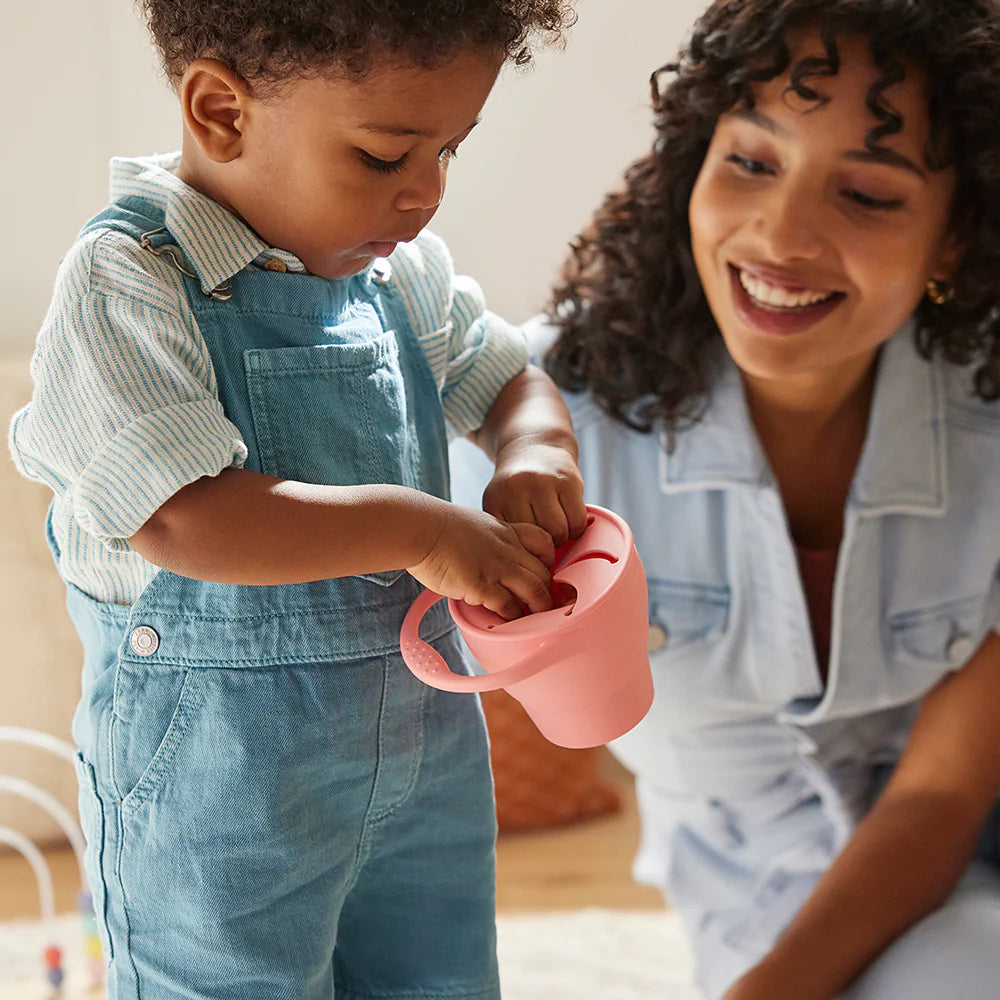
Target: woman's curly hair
(634,325)
(267,41)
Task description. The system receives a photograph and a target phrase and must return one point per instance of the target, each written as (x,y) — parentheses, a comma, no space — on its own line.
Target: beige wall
(80,85)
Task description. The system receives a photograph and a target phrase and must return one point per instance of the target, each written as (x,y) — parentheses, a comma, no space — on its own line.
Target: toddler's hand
(477,559)
(538,484)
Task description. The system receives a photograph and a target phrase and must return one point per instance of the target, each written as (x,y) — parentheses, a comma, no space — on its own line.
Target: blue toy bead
(55,976)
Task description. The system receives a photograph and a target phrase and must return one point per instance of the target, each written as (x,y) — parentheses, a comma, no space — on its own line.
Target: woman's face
(811,249)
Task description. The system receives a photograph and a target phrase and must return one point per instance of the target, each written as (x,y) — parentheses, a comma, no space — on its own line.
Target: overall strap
(145,223)
(133,216)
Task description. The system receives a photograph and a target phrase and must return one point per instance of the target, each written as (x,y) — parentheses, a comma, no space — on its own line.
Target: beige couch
(41,656)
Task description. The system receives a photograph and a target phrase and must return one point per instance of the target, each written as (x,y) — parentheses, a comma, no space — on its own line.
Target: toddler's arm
(908,853)
(246,527)
(514,414)
(528,434)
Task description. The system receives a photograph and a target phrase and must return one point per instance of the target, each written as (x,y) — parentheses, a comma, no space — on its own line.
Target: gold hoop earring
(939,292)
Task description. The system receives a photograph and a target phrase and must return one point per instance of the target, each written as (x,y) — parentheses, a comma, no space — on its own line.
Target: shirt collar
(903,464)
(215,242)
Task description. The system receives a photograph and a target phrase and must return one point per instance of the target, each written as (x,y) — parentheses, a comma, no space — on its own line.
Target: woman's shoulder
(540,334)
(965,408)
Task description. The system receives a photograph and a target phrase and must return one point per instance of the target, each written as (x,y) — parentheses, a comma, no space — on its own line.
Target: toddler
(243,391)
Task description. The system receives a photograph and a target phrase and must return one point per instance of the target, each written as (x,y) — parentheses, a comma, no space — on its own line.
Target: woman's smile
(781,308)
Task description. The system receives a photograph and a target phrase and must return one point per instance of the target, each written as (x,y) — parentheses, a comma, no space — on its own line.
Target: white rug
(580,955)
(594,955)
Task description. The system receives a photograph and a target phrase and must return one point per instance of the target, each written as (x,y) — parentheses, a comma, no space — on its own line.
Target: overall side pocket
(94,826)
(153,710)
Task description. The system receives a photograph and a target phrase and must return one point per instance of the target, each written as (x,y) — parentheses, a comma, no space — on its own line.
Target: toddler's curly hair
(268,41)
(636,330)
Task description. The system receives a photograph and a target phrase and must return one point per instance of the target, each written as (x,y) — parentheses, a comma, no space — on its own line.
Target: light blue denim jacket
(751,775)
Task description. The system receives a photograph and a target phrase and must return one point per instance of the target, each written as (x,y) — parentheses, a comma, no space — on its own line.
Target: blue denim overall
(274,807)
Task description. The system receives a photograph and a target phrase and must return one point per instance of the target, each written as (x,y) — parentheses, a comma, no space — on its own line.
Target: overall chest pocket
(333,414)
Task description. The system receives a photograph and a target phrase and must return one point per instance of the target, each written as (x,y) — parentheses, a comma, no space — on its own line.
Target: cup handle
(428,665)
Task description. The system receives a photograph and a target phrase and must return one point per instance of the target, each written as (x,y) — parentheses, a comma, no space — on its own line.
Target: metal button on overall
(144,640)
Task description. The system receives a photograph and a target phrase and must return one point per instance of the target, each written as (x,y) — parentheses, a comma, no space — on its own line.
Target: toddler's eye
(749,165)
(382,166)
(448,154)
(875,204)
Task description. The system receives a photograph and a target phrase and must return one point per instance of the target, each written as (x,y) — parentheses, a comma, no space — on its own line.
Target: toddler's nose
(423,191)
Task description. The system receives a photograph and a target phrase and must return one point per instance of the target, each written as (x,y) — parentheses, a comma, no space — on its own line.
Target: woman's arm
(908,853)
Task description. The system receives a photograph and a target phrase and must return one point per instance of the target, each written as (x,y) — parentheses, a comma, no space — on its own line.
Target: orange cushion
(538,784)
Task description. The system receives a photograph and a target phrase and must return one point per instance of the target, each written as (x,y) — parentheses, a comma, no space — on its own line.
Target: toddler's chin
(339,268)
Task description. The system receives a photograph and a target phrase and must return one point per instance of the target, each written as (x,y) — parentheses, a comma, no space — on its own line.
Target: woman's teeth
(781,298)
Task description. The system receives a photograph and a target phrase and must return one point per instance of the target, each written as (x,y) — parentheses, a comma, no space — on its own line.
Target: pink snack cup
(581,671)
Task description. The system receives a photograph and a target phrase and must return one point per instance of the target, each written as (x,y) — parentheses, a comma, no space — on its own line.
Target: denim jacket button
(656,639)
(144,641)
(960,649)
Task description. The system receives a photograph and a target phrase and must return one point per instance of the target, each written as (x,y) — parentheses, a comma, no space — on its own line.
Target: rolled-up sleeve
(125,410)
(472,352)
(485,353)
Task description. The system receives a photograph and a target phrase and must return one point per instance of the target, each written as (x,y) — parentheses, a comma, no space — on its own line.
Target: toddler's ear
(213,102)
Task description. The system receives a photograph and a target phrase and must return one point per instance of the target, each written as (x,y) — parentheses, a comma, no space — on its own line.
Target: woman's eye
(448,154)
(875,204)
(382,166)
(749,165)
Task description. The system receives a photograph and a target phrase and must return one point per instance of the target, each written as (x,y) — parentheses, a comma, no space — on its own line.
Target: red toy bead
(53,957)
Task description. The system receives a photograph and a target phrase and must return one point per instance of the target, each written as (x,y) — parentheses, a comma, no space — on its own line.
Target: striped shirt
(125,410)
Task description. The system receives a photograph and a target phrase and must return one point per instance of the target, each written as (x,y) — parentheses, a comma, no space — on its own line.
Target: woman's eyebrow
(761,121)
(885,157)
(880,155)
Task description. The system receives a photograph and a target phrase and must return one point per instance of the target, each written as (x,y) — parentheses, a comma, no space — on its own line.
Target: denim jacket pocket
(685,615)
(939,638)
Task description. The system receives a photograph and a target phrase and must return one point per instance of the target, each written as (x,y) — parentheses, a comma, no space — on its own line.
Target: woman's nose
(789,224)
(424,189)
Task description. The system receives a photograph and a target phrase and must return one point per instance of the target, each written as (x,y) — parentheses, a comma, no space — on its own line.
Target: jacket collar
(216,244)
(903,466)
